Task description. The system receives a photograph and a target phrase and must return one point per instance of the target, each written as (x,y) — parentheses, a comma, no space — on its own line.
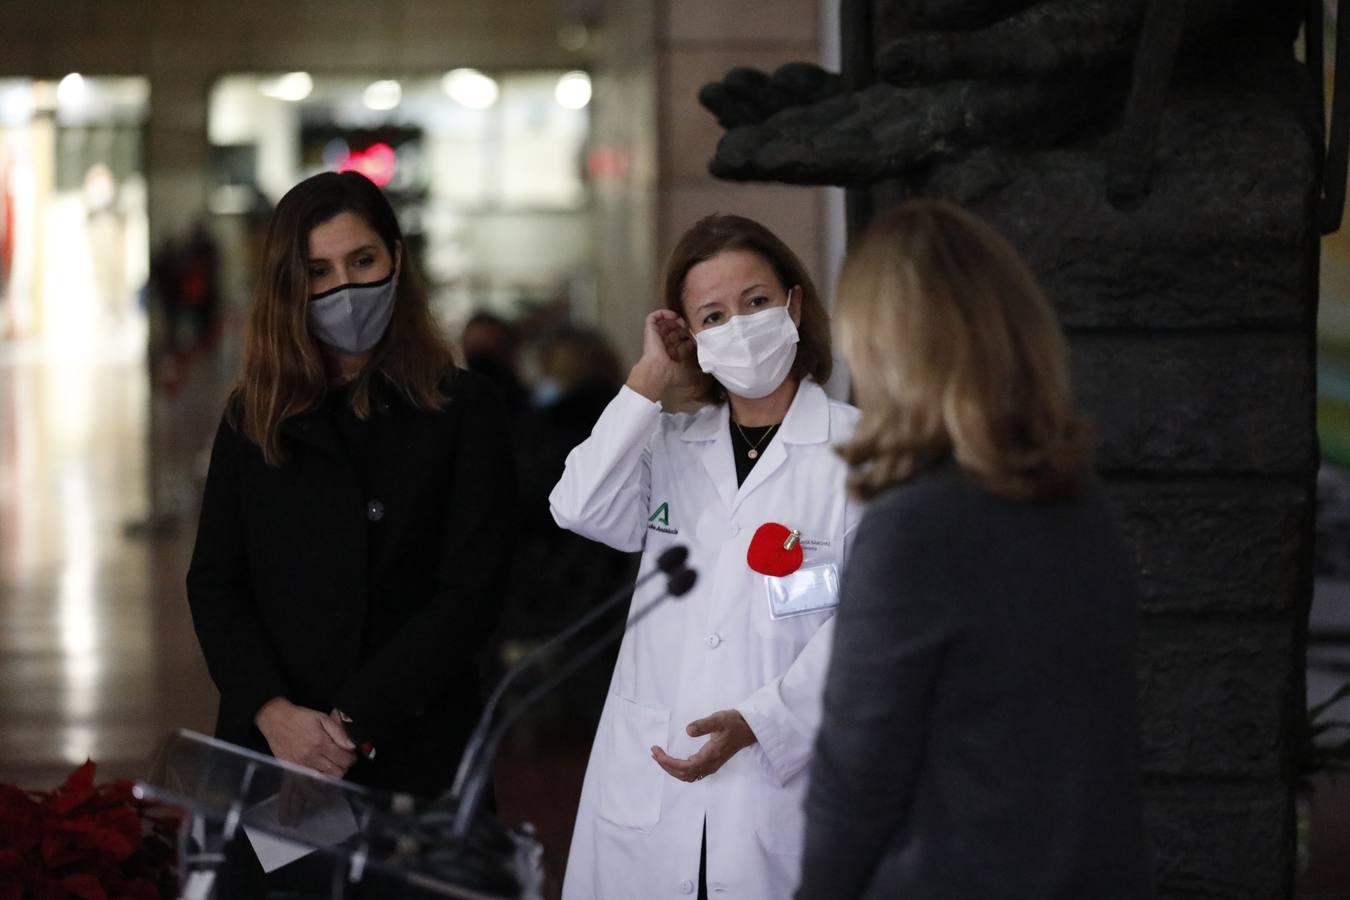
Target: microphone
(671,562)
(678,583)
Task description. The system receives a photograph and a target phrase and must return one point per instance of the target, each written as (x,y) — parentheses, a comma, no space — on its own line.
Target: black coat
(367,582)
(980,736)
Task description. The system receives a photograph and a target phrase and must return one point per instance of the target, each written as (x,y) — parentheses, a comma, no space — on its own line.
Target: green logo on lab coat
(662,514)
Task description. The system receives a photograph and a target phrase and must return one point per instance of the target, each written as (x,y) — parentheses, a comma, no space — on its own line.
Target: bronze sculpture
(1165,167)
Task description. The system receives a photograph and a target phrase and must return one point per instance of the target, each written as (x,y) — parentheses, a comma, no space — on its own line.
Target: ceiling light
(382,95)
(72,90)
(471,88)
(573,90)
(291,87)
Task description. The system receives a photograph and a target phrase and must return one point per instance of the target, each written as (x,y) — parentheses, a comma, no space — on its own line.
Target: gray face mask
(352,318)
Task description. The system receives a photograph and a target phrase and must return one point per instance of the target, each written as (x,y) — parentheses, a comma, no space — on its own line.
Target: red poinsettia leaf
(73,826)
(66,844)
(68,833)
(57,851)
(47,889)
(11,861)
(77,790)
(134,889)
(13,875)
(118,832)
(85,887)
(20,819)
(120,788)
(115,794)
(82,779)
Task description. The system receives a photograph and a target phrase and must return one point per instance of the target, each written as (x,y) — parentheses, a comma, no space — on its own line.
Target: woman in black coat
(354,534)
(980,727)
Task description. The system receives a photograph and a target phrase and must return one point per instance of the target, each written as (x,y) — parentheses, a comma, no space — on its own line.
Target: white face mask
(750,355)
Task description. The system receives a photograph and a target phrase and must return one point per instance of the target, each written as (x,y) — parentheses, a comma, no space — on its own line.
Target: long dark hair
(284,373)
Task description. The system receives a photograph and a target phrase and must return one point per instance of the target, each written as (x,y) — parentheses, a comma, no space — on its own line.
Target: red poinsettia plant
(84,841)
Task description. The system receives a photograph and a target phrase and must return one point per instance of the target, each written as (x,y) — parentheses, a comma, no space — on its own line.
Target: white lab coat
(645,480)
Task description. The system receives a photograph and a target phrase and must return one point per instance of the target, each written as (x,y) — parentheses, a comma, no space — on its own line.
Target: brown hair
(717,234)
(284,373)
(954,350)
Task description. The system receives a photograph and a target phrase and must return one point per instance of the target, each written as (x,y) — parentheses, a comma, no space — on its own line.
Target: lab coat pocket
(630,795)
(780,822)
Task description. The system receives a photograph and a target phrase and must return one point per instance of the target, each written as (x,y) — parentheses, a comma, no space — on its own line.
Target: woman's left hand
(728,734)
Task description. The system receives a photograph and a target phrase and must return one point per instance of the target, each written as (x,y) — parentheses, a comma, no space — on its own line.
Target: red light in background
(377,162)
(605,162)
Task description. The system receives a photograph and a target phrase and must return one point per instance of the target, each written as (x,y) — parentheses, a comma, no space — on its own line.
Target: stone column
(657,55)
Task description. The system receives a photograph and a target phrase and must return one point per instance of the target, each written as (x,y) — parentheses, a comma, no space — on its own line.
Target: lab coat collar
(807,422)
(712,427)
(808,418)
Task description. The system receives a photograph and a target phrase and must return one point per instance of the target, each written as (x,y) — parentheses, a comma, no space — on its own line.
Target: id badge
(807,590)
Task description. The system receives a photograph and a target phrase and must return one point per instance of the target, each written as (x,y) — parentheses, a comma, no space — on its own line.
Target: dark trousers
(703,865)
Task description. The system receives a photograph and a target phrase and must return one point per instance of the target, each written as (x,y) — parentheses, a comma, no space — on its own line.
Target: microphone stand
(669,562)
(679,582)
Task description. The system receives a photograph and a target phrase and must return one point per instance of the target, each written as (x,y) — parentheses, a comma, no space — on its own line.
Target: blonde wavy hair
(954,351)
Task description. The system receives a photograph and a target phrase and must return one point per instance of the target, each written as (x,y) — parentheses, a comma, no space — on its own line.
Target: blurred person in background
(491,347)
(558,574)
(354,536)
(105,225)
(185,284)
(980,731)
(199,285)
(696,775)
(578,375)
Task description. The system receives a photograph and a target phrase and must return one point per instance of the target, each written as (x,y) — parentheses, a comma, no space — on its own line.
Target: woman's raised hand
(669,357)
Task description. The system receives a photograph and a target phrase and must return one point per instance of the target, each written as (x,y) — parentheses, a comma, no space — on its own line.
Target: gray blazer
(980,731)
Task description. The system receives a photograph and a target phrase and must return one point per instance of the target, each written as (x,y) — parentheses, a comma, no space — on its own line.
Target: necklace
(753,452)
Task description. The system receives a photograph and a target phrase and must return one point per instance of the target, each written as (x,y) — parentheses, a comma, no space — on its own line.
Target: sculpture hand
(746,96)
(887,131)
(1050,37)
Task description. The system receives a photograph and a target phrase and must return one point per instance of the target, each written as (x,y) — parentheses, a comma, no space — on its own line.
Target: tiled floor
(97,655)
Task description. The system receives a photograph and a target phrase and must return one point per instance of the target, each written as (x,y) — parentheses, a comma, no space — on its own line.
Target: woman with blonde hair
(980,730)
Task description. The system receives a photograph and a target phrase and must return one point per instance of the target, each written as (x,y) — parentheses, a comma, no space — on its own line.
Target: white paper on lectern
(199,885)
(327,824)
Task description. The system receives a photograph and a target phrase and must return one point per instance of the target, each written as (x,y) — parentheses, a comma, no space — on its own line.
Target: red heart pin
(775,550)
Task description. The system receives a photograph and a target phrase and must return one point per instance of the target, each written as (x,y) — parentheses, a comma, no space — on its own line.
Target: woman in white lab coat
(696,777)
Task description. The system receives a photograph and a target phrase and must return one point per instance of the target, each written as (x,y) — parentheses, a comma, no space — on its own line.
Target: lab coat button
(686,887)
(713,640)
(735,529)
(374,510)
